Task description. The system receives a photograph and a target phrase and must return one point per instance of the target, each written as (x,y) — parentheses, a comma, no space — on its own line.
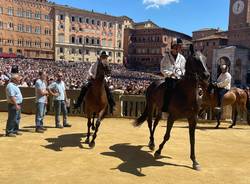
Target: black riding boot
(84,89)
(110,97)
(169,84)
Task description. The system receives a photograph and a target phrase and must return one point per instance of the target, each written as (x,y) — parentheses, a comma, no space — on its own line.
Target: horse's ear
(191,49)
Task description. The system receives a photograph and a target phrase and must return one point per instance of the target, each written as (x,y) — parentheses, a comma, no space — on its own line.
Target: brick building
(80,35)
(208,39)
(26,28)
(145,44)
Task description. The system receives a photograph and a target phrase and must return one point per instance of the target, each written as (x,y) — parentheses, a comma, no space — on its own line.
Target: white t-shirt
(224,81)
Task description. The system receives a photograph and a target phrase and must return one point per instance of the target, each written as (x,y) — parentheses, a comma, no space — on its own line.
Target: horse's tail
(139,121)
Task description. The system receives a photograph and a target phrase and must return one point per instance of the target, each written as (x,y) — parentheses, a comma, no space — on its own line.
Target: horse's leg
(98,123)
(235,114)
(192,126)
(150,122)
(157,119)
(93,122)
(166,136)
(218,117)
(88,134)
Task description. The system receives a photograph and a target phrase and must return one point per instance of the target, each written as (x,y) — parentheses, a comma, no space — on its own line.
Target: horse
(236,97)
(96,101)
(183,103)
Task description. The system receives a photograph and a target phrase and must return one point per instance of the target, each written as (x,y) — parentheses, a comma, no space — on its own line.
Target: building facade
(26,28)
(81,35)
(206,40)
(146,43)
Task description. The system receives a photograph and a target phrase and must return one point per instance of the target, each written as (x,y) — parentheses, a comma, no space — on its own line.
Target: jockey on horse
(173,68)
(223,85)
(92,73)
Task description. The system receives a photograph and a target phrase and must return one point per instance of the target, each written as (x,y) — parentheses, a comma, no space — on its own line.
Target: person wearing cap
(14,100)
(223,83)
(173,69)
(58,90)
(92,73)
(41,101)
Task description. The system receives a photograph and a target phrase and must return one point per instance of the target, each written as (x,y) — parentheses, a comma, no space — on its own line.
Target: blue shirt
(12,90)
(58,87)
(40,85)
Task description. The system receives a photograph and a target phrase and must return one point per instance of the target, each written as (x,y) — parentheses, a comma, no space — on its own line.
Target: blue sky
(180,15)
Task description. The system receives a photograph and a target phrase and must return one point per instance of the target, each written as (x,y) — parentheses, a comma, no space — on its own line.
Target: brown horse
(236,97)
(183,103)
(96,102)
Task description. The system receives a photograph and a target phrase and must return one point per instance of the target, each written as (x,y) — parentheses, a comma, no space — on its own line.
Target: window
(80,40)
(93,22)
(10,25)
(28,43)
(98,52)
(87,20)
(61,38)
(80,51)
(80,29)
(61,26)
(61,50)
(87,41)
(1,25)
(98,23)
(20,42)
(61,17)
(38,15)
(103,42)
(10,11)
(10,42)
(29,14)
(118,54)
(47,17)
(1,10)
(28,29)
(98,41)
(38,30)
(47,31)
(80,19)
(87,52)
(73,28)
(120,26)
(10,50)
(72,19)
(73,39)
(110,25)
(92,41)
(19,12)
(47,44)
(104,24)
(37,44)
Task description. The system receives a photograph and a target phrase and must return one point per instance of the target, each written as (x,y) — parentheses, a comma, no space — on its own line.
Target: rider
(173,68)
(223,84)
(92,71)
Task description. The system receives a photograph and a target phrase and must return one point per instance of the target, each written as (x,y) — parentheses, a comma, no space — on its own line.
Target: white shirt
(169,66)
(224,81)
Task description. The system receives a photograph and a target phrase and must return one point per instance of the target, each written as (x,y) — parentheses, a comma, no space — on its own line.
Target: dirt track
(58,156)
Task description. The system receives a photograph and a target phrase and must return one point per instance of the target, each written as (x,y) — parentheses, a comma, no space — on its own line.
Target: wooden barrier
(129,106)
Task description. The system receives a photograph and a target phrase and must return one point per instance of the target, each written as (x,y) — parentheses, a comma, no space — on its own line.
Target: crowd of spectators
(131,82)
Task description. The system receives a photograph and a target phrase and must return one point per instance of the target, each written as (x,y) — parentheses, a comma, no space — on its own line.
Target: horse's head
(102,70)
(196,65)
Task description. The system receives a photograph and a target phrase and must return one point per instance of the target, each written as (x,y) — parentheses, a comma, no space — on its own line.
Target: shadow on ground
(63,141)
(134,159)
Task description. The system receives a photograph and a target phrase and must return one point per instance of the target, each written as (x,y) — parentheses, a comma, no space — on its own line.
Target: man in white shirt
(173,68)
(223,83)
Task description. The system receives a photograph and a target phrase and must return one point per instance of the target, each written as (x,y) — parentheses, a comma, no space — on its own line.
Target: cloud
(158,3)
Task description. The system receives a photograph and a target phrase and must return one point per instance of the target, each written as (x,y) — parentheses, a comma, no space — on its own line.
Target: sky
(183,16)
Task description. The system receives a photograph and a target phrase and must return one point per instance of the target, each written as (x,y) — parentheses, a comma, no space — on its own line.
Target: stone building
(145,44)
(26,28)
(80,35)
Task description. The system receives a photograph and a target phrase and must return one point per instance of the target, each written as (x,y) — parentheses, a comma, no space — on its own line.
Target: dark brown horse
(96,102)
(236,97)
(183,103)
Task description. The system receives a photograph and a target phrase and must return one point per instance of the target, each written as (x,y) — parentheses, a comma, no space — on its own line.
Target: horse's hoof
(230,126)
(217,127)
(151,147)
(92,144)
(157,155)
(93,128)
(197,167)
